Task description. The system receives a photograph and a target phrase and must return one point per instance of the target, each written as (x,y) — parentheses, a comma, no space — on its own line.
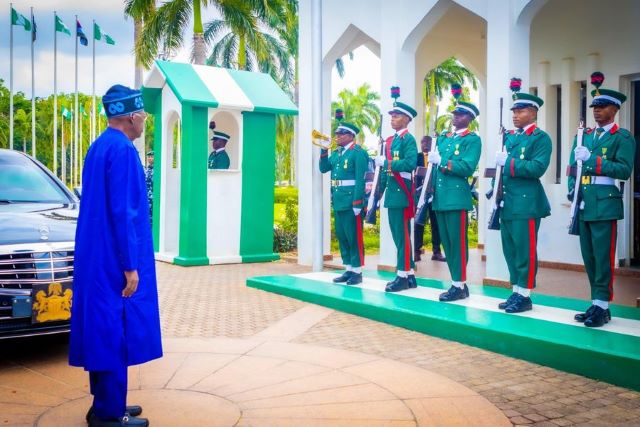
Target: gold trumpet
(317,135)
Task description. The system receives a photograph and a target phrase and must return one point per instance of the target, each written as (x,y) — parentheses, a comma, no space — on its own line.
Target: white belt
(405,175)
(598,180)
(343,182)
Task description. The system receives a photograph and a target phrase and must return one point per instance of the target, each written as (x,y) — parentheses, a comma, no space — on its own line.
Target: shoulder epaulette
(588,130)
(625,132)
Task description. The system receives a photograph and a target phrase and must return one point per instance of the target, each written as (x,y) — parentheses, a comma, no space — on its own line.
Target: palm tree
(443,122)
(439,80)
(141,11)
(360,108)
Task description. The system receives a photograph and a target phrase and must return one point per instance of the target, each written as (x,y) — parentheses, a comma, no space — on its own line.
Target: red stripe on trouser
(531,277)
(360,242)
(463,246)
(407,245)
(612,255)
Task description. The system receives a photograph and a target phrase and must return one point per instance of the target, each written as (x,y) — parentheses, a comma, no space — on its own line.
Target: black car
(38,216)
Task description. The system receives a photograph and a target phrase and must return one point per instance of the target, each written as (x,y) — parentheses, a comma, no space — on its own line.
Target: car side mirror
(78,192)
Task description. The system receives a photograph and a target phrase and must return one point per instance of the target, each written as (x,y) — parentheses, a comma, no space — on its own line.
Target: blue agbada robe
(113,235)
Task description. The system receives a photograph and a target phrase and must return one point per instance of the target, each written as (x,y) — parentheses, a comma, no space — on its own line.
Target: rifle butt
(494,219)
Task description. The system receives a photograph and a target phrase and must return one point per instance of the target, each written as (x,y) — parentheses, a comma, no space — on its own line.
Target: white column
(507,56)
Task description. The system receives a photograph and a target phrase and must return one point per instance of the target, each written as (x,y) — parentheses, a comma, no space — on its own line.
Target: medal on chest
(396,155)
(604,152)
(522,153)
(346,163)
(456,151)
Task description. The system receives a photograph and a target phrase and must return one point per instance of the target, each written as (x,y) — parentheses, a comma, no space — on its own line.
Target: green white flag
(66,113)
(21,20)
(97,33)
(60,27)
(108,39)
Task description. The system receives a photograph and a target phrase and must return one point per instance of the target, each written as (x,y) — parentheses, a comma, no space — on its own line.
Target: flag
(60,27)
(97,33)
(84,114)
(108,39)
(66,113)
(80,34)
(34,28)
(21,20)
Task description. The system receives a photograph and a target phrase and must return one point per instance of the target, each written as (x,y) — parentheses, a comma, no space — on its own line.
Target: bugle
(316,136)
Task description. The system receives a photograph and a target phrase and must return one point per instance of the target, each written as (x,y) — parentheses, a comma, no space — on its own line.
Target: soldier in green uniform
(525,159)
(396,181)
(607,154)
(348,166)
(219,159)
(455,161)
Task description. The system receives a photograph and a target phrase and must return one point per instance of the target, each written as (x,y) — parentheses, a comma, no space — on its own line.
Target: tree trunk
(242,52)
(198,36)
(137,30)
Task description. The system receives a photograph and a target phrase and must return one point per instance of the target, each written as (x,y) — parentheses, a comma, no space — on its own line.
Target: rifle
(575,203)
(497,195)
(427,188)
(375,195)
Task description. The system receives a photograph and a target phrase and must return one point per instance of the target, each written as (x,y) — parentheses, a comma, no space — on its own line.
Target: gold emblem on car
(52,304)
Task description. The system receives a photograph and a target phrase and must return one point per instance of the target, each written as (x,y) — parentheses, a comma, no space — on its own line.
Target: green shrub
(284,241)
(285,194)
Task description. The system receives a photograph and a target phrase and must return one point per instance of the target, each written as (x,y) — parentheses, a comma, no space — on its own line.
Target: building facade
(552,45)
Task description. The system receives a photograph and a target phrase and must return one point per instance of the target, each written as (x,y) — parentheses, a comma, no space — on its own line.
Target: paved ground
(255,358)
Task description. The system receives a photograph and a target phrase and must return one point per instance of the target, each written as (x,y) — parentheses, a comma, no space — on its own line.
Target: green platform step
(547,335)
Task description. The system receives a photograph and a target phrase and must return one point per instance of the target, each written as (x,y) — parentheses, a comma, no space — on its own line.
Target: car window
(21,180)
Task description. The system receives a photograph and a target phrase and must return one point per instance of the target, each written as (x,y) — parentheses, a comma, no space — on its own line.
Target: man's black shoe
(355,279)
(343,278)
(520,304)
(126,421)
(132,410)
(508,302)
(438,257)
(581,317)
(401,284)
(412,281)
(454,293)
(597,318)
(393,282)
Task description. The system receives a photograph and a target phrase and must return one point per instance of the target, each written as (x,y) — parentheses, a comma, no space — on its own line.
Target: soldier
(219,159)
(455,161)
(348,165)
(607,154)
(525,158)
(148,179)
(398,163)
(423,156)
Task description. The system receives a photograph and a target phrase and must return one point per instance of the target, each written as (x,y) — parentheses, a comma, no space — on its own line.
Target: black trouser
(435,234)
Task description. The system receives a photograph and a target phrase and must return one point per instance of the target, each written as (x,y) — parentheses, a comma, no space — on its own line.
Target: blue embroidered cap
(121,100)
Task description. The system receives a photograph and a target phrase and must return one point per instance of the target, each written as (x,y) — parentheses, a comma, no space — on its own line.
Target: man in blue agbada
(115,321)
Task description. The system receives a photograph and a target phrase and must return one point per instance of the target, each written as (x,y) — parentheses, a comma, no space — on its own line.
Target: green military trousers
(349,235)
(519,245)
(401,233)
(453,226)
(598,247)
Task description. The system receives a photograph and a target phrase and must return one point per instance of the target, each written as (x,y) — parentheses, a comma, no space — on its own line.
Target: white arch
(351,38)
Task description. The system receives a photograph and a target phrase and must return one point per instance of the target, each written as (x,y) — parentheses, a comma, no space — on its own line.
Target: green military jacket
(460,155)
(528,158)
(219,160)
(404,156)
(612,155)
(350,164)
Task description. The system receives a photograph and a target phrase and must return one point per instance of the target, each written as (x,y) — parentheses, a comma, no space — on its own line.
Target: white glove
(325,144)
(582,153)
(356,211)
(435,158)
(379,160)
(501,157)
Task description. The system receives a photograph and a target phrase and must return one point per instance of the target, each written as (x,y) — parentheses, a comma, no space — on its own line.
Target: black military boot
(343,278)
(597,318)
(355,279)
(454,293)
(412,281)
(508,302)
(132,410)
(520,304)
(581,317)
(401,284)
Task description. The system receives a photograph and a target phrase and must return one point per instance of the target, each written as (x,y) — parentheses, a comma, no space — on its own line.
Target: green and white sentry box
(203,216)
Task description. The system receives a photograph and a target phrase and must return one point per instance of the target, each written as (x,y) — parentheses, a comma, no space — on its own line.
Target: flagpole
(93,85)
(10,77)
(80,153)
(55,97)
(33,90)
(74,145)
(63,153)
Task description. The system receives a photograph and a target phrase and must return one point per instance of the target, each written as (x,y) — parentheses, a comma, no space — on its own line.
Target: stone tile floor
(255,358)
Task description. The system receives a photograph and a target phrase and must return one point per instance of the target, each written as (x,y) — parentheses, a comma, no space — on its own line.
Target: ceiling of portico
(352,38)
